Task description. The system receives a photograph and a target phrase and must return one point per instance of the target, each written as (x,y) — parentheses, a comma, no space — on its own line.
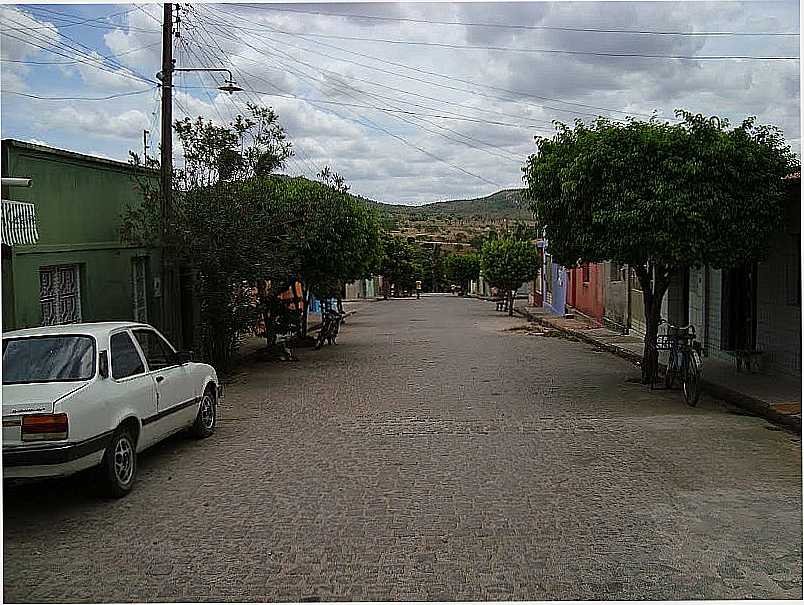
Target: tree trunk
(270,326)
(511,294)
(654,281)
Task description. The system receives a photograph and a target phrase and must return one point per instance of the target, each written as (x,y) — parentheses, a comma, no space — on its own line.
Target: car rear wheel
(118,469)
(207,417)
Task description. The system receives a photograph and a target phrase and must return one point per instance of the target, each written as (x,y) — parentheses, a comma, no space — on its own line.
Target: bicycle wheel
(670,373)
(322,335)
(692,378)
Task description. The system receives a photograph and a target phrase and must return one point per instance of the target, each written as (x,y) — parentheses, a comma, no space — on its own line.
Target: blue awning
(19,223)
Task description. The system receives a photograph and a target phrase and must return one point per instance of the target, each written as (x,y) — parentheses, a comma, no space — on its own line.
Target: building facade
(361,288)
(752,308)
(79,269)
(585,290)
(554,286)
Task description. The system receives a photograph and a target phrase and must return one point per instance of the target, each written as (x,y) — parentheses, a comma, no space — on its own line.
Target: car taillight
(41,427)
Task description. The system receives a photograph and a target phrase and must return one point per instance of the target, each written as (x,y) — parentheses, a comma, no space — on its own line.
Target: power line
(550,50)
(309,167)
(69,21)
(348,93)
(97,65)
(399,90)
(446,77)
(77,47)
(106,98)
(537,50)
(305,167)
(72,23)
(387,109)
(371,124)
(526,27)
(212,59)
(128,52)
(111,58)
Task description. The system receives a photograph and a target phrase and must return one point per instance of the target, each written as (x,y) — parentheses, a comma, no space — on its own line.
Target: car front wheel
(118,468)
(207,417)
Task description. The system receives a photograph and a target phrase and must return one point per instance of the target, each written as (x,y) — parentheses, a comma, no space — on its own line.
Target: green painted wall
(79,204)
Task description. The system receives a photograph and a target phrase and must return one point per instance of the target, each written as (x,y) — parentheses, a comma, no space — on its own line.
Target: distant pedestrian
(418,289)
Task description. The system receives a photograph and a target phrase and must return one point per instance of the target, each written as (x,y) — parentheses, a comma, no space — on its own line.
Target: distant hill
(503,204)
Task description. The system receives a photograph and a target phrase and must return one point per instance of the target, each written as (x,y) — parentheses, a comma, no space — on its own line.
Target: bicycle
(330,326)
(684,361)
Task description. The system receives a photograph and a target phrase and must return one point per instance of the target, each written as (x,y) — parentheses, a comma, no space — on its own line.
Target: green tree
(659,197)
(399,264)
(462,268)
(338,240)
(507,263)
(238,226)
(220,226)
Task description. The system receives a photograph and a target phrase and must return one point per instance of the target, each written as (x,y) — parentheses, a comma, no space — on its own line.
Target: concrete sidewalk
(775,397)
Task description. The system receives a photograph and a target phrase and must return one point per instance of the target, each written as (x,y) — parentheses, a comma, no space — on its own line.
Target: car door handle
(160,378)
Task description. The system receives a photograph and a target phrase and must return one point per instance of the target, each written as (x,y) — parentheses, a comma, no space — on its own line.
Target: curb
(619,351)
(756,406)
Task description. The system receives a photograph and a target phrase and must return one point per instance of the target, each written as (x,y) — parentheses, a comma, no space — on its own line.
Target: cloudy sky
(422,102)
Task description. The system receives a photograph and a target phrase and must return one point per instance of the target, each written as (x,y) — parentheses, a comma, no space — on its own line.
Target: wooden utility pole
(166,164)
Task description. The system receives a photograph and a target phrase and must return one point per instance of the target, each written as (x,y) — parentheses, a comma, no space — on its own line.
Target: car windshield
(48,359)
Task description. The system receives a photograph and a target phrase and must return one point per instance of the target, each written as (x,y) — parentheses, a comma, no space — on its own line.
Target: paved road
(432,454)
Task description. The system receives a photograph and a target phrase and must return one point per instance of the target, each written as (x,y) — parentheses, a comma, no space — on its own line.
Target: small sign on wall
(157,290)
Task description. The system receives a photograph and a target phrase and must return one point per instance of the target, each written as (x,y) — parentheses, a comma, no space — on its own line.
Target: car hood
(37,397)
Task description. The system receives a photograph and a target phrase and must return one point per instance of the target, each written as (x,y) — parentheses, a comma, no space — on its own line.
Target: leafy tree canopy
(461,268)
(237,225)
(400,262)
(653,192)
(508,263)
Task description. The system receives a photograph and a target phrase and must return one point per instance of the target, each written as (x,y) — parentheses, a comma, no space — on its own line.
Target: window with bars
(585,273)
(616,272)
(60,294)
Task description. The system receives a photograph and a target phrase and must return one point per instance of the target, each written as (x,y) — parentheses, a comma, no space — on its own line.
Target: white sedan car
(96,394)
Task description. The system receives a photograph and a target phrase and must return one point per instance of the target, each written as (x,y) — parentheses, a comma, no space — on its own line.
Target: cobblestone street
(436,452)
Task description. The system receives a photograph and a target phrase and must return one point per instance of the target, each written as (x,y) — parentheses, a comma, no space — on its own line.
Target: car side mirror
(183,357)
(103,364)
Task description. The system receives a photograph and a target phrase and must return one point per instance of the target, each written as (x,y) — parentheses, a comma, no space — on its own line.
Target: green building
(79,269)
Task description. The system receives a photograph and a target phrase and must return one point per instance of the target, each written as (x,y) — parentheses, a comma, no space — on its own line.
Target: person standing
(418,288)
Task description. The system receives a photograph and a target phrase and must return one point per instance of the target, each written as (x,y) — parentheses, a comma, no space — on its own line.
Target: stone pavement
(775,397)
(438,452)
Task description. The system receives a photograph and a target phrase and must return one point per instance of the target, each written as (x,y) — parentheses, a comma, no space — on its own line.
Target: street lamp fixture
(230,85)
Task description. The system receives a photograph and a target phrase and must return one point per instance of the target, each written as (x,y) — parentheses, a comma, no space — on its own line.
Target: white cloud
(528,90)
(25,40)
(99,122)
